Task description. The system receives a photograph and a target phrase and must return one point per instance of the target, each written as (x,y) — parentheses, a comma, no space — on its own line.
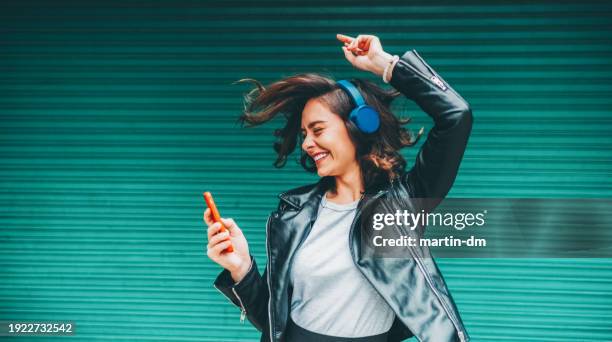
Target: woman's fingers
(208,217)
(230,225)
(218,248)
(348,54)
(358,46)
(353,44)
(348,41)
(213,229)
(344,38)
(364,42)
(215,239)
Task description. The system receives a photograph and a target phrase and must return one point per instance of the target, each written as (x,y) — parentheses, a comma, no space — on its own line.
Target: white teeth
(320,155)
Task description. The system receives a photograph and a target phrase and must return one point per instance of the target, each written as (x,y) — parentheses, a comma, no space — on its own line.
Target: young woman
(319,285)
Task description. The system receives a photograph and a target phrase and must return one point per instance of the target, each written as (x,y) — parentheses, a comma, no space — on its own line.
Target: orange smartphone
(214,212)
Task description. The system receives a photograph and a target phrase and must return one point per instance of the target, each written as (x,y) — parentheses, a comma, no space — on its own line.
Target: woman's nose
(307,143)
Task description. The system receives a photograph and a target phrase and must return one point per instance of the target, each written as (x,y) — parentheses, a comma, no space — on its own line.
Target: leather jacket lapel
(289,227)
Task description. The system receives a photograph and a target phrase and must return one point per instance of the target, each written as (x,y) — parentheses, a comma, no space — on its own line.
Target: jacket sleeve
(250,294)
(438,160)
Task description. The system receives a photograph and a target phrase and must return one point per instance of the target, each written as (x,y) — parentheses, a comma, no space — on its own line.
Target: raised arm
(438,160)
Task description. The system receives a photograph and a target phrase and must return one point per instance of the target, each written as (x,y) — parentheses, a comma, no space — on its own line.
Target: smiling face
(327,140)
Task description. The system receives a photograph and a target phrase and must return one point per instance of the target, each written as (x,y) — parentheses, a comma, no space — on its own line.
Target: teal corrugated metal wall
(114,117)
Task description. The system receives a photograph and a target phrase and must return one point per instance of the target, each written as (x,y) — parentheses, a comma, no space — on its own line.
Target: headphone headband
(352,91)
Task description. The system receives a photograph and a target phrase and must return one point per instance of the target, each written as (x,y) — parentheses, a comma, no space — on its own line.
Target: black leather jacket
(413,287)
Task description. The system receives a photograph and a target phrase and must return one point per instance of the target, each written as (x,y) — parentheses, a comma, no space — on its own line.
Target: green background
(115,116)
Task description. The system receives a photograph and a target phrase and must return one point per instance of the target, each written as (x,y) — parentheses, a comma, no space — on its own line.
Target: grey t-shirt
(330,295)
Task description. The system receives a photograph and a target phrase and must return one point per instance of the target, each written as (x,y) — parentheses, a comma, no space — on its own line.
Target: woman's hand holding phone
(236,262)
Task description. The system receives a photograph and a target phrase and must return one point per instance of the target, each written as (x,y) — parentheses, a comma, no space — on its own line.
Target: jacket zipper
(269,271)
(459,332)
(433,289)
(435,78)
(242,309)
(439,83)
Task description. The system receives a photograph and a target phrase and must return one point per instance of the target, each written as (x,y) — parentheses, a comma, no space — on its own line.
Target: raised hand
(365,52)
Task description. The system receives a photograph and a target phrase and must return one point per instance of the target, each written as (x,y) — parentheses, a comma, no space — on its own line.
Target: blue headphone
(365,117)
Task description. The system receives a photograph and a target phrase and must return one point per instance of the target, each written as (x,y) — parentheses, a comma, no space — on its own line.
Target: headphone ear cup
(366,118)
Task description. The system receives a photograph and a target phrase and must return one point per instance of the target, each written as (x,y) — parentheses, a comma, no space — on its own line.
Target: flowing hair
(377,153)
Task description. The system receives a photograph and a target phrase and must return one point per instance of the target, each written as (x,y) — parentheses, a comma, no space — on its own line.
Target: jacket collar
(312,193)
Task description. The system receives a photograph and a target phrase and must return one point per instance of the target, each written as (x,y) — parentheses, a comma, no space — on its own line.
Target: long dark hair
(378,153)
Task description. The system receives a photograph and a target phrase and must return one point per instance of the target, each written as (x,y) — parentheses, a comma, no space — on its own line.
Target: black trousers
(295,333)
